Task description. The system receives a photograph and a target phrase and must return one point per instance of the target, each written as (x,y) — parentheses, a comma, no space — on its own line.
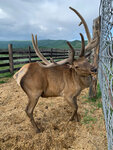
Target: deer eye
(76,67)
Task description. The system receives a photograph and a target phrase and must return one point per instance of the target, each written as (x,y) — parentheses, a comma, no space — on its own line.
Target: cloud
(50,19)
(3,14)
(43,28)
(60,28)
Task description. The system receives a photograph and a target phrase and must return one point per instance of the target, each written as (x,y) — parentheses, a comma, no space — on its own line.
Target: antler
(35,46)
(70,59)
(67,60)
(92,43)
(83,46)
(84,23)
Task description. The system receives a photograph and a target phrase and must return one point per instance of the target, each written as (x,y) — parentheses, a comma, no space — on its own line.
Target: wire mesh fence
(106,66)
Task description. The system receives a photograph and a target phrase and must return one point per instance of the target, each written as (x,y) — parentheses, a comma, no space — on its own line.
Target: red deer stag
(53,80)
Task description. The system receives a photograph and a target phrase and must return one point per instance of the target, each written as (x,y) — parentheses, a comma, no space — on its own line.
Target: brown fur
(60,80)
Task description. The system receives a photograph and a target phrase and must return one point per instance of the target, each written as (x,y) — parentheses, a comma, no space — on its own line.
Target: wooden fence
(13,59)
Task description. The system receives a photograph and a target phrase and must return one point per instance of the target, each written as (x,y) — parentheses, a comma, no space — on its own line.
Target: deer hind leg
(30,108)
(73,103)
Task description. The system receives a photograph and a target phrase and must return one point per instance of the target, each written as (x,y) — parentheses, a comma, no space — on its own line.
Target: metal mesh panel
(106,66)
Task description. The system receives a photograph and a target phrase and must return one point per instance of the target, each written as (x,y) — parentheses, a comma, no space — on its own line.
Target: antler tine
(52,61)
(84,23)
(80,23)
(83,46)
(70,59)
(72,51)
(35,46)
(36,42)
(92,44)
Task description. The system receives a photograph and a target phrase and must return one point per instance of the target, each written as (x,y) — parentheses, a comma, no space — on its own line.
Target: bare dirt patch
(52,115)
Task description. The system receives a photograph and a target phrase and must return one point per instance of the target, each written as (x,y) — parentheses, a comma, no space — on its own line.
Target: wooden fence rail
(13,59)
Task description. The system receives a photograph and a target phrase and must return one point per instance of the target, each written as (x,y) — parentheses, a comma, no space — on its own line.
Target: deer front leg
(73,103)
(75,114)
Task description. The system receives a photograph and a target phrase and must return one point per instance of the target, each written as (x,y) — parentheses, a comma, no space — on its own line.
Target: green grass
(2,81)
(5,79)
(89,119)
(97,100)
(94,100)
(5,75)
(95,104)
(98,96)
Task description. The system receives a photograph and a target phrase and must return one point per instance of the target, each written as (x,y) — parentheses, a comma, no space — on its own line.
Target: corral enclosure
(52,115)
(12,59)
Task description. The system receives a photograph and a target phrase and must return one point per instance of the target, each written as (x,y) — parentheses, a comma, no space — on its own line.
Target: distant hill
(61,44)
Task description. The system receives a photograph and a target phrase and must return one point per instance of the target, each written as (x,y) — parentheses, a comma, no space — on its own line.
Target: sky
(49,19)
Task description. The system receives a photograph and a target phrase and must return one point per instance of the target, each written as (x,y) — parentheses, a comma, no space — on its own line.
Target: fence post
(51,52)
(64,53)
(11,65)
(29,53)
(94,58)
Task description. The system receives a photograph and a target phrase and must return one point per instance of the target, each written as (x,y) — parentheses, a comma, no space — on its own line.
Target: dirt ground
(51,115)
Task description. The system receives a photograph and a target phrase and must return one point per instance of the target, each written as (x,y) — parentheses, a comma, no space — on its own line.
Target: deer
(66,78)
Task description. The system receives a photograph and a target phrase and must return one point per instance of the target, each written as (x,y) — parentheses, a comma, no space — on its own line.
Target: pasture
(51,115)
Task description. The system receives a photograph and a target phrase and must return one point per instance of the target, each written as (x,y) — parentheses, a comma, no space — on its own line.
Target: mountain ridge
(60,44)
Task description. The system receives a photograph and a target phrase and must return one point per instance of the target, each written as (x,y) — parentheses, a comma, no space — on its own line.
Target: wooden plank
(4,71)
(60,52)
(36,60)
(43,52)
(24,62)
(3,49)
(21,62)
(59,58)
(53,52)
(4,58)
(58,55)
(17,68)
(5,64)
(3,52)
(22,57)
(20,52)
